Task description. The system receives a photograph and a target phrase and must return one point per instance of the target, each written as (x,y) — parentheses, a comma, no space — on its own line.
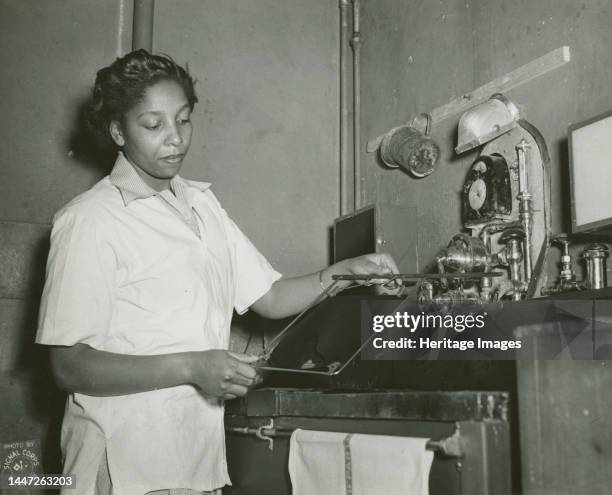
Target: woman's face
(156,133)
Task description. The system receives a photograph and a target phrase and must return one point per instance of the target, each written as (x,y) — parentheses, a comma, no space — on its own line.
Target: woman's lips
(174,158)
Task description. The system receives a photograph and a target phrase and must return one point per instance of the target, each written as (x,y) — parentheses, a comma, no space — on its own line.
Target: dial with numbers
(477,194)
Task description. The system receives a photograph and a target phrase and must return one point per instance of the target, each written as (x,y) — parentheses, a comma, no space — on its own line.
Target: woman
(143,274)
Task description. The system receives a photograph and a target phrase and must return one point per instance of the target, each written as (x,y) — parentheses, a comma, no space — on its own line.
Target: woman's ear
(114,128)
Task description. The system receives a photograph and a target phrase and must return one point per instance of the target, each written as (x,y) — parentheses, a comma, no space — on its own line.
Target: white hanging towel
(390,465)
(316,462)
(330,463)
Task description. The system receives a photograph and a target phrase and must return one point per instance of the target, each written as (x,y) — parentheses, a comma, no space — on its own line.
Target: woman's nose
(174,136)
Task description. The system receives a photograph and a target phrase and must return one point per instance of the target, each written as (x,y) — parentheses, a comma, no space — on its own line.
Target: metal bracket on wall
(517,77)
(263,432)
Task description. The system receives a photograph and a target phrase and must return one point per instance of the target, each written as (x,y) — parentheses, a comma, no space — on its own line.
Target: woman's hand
(222,374)
(369,264)
(372,264)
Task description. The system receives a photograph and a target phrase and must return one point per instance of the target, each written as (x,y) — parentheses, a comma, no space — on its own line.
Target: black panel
(354,235)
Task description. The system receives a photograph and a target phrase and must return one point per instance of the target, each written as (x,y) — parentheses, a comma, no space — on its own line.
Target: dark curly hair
(123,84)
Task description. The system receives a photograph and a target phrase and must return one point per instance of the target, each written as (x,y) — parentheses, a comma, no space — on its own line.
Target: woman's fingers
(388,261)
(218,372)
(241,380)
(245,358)
(384,262)
(375,264)
(235,391)
(242,364)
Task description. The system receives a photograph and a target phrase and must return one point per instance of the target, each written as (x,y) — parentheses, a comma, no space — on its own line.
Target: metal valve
(513,254)
(567,271)
(567,276)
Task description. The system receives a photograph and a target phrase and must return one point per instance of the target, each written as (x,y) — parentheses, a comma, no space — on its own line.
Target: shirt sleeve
(77,301)
(254,274)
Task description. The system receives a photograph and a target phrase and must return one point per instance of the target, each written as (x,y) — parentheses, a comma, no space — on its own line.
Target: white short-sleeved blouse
(126,275)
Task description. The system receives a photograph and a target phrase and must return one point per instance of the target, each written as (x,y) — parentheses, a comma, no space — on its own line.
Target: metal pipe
(539,274)
(525,212)
(525,209)
(513,258)
(142,27)
(356,44)
(344,116)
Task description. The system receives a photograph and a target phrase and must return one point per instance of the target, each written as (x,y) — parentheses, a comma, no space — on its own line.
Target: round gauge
(487,191)
(477,194)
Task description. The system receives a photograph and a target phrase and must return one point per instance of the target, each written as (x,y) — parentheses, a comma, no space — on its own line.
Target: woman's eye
(184,121)
(153,126)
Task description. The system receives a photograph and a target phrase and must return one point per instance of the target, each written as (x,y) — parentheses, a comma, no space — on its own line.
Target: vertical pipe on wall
(356,44)
(344,120)
(142,32)
(121,28)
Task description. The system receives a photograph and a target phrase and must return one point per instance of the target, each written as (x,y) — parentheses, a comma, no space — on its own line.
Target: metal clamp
(259,433)
(263,432)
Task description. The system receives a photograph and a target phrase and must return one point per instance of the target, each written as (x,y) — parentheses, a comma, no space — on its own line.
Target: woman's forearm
(85,370)
(215,372)
(289,296)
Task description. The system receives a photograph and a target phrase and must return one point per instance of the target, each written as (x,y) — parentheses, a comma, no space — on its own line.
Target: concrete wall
(50,53)
(266,127)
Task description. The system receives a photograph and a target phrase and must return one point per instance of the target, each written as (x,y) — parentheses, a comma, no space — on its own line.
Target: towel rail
(449,446)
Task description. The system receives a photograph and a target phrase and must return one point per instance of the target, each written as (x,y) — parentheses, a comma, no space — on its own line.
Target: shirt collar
(132,187)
